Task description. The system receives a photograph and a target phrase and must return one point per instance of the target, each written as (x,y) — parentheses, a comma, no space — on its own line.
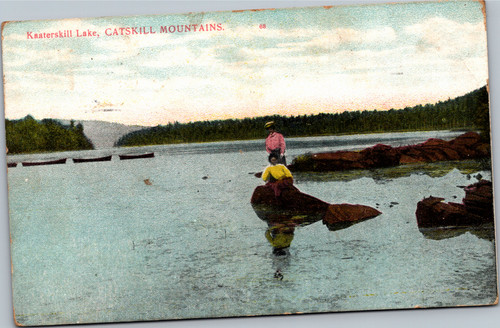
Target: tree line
(470,111)
(28,135)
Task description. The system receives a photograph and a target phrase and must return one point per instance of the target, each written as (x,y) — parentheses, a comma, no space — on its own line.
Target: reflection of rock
(466,146)
(475,210)
(485,231)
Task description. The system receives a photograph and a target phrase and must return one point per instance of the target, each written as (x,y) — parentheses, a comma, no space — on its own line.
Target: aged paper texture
(247,163)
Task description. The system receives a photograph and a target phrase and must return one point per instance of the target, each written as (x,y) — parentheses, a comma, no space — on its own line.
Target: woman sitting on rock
(277,176)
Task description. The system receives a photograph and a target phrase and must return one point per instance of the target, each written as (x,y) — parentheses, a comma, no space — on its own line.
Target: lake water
(175,236)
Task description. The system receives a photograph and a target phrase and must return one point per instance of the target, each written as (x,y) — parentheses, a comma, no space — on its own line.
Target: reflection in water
(284,213)
(280,237)
(282,224)
(296,209)
(486,232)
(436,169)
(281,263)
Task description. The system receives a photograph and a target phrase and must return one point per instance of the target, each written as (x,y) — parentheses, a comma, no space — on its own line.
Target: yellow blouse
(278,171)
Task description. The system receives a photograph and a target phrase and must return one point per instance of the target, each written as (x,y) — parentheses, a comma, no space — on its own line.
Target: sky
(252,63)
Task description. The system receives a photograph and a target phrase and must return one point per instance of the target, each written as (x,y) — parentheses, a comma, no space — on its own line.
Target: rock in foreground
(295,208)
(341,216)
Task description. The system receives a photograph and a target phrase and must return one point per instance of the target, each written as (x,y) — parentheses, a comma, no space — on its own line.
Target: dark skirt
(279,185)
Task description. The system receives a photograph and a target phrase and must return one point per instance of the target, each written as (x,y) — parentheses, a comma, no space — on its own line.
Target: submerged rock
(476,209)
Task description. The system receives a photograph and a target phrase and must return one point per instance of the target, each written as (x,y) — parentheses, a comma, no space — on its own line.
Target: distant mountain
(104,134)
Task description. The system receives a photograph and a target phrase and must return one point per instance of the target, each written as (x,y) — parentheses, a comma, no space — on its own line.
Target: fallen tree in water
(466,146)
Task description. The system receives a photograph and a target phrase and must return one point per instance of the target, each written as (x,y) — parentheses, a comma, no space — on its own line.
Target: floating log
(134,156)
(57,161)
(95,159)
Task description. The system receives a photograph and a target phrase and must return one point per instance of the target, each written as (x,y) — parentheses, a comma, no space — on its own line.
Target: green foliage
(470,111)
(28,135)
(482,116)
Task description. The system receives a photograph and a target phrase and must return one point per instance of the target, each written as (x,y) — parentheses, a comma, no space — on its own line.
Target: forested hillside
(28,135)
(470,111)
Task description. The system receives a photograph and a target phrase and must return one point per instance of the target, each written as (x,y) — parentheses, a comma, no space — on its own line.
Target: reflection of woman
(277,176)
(280,237)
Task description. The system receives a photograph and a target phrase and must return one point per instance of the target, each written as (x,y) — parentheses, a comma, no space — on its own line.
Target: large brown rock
(346,156)
(292,207)
(380,156)
(476,209)
(340,160)
(468,139)
(479,199)
(340,216)
(433,142)
(295,208)
(466,146)
(432,212)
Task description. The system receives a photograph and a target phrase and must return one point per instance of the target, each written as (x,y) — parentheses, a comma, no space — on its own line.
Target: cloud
(248,45)
(448,37)
(330,40)
(129,45)
(180,56)
(21,56)
(252,32)
(242,71)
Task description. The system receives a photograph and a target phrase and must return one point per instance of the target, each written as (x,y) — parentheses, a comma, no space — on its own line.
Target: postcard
(249,163)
